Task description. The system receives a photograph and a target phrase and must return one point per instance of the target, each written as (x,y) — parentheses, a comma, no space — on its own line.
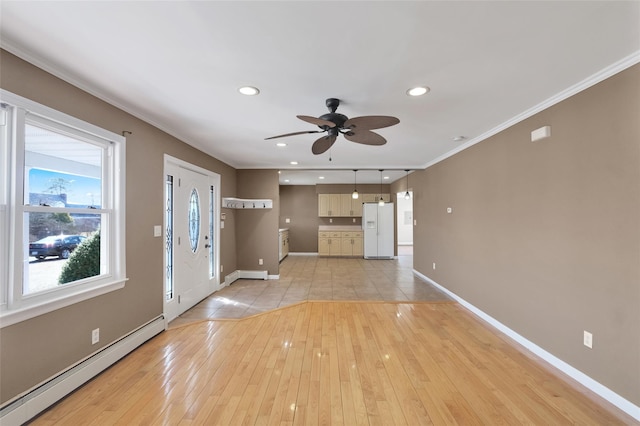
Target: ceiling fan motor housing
(358,130)
(335,118)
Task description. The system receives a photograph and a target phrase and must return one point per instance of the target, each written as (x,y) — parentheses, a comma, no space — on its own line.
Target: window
(61,195)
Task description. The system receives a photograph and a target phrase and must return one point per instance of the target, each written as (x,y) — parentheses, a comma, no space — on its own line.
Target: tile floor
(309,277)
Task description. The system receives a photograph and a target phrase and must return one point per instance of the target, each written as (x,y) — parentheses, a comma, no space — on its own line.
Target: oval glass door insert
(194,220)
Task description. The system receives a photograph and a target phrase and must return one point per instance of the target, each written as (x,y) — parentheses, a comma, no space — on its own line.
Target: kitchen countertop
(339,228)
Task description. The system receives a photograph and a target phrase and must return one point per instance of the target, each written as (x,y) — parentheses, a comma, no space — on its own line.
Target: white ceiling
(178,65)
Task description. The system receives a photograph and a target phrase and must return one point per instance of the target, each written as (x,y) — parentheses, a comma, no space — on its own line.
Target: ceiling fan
(357,129)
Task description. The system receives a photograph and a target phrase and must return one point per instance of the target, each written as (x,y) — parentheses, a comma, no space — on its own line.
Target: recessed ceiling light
(386,177)
(294,163)
(459,138)
(248,90)
(281,144)
(321,177)
(418,91)
(286,180)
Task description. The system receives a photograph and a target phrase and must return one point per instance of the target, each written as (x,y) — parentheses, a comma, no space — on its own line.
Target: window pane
(61,171)
(63,247)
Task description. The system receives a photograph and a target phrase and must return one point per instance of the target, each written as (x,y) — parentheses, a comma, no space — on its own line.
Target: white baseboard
(603,391)
(48,393)
(304,253)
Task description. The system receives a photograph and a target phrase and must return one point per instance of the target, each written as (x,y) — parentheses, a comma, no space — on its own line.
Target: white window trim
(23,308)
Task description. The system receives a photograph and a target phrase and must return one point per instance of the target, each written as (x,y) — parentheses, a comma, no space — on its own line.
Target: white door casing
(195,272)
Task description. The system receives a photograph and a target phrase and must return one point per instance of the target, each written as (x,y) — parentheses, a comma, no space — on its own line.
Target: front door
(191,244)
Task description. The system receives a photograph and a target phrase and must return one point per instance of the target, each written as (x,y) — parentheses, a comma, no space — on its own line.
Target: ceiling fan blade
(323,144)
(365,137)
(294,133)
(317,121)
(369,122)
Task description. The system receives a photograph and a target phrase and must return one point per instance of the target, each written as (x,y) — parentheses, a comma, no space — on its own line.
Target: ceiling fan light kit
(357,129)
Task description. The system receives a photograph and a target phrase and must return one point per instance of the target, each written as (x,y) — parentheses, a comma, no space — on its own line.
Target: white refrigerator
(377,224)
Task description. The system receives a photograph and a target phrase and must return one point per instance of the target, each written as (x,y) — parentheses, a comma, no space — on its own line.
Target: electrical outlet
(588,339)
(287,220)
(260,261)
(434,266)
(354,220)
(95,336)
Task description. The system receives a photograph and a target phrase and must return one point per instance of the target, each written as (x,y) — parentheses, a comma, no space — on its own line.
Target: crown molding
(588,82)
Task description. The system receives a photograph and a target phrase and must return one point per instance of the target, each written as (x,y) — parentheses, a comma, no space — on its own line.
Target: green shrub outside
(83,262)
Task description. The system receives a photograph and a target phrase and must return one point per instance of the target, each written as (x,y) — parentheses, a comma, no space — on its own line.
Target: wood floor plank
(334,363)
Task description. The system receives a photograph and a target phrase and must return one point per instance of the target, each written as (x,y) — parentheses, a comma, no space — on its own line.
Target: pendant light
(381,201)
(407,196)
(354,195)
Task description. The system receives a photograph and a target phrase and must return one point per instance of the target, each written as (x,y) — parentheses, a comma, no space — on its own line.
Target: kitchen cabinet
(284,243)
(329,205)
(340,243)
(374,198)
(343,205)
(329,243)
(350,207)
(352,243)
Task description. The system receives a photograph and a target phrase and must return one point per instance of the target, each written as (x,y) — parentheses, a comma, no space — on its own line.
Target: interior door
(191,241)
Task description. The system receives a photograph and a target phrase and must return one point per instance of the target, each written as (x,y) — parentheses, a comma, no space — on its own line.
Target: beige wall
(257,229)
(33,350)
(300,204)
(545,236)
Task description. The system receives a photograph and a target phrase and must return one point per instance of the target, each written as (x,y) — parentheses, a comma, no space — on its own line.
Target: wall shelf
(249,203)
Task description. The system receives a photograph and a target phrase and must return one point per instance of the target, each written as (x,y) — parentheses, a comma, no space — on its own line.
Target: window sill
(14,316)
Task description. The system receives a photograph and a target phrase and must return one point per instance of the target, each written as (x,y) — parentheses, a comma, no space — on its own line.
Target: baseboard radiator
(247,275)
(253,275)
(46,394)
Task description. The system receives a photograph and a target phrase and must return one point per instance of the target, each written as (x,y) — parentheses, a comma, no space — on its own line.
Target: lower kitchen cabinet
(329,243)
(284,243)
(352,243)
(340,243)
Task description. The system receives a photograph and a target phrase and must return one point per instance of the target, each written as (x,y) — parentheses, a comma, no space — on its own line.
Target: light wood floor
(333,363)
